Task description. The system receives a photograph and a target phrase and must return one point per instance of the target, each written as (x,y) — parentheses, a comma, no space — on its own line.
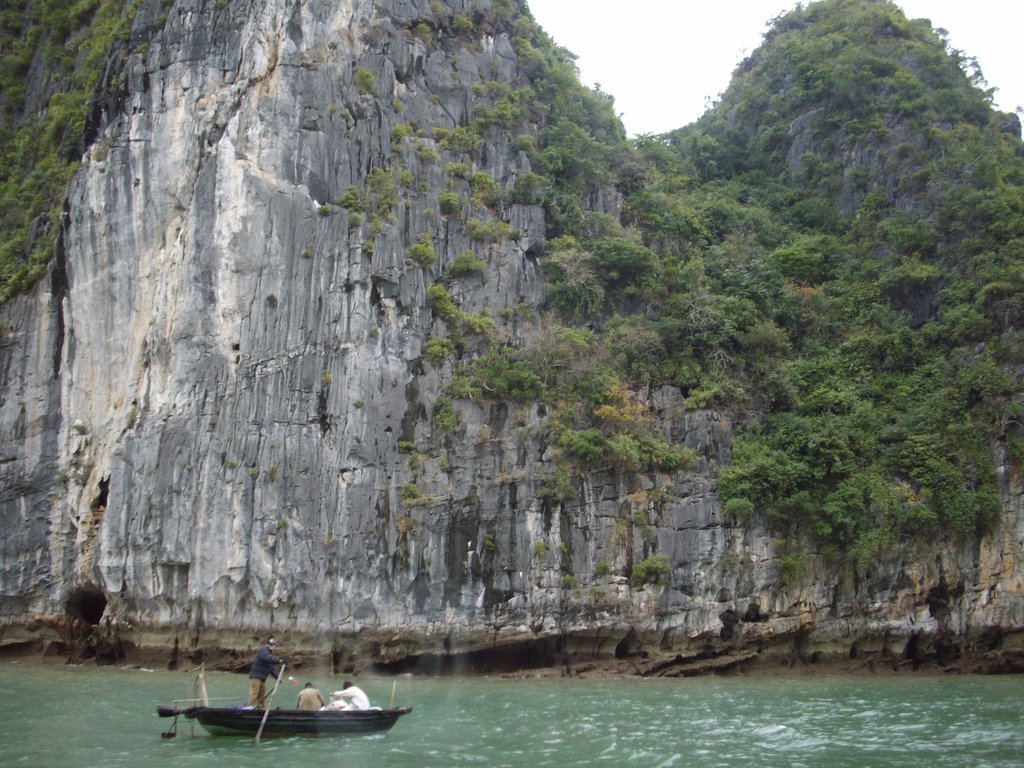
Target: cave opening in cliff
(629,646)
(99,503)
(87,604)
(514,657)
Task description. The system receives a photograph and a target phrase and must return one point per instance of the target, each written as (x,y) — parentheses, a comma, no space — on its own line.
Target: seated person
(348,698)
(310,698)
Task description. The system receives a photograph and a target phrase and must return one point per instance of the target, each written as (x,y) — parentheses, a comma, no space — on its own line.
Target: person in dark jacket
(263,665)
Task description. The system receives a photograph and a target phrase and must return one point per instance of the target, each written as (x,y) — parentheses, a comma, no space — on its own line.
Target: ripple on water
(769,730)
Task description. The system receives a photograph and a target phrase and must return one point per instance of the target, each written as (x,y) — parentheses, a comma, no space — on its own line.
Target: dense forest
(834,252)
(856,218)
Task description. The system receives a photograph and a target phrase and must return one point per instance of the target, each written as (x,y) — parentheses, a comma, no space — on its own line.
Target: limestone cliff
(219,420)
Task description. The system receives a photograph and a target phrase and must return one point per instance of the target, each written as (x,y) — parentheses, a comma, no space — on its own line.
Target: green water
(88,717)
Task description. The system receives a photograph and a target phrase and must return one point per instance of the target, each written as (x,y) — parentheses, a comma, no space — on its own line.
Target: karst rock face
(219,420)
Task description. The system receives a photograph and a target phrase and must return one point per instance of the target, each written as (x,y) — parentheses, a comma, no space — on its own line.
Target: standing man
(263,665)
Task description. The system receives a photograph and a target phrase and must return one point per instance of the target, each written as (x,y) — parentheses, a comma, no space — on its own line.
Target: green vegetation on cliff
(897,195)
(53,55)
(835,250)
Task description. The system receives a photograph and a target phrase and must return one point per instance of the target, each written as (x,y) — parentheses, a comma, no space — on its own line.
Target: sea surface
(89,717)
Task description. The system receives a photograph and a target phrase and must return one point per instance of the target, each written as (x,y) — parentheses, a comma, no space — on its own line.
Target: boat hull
(232,721)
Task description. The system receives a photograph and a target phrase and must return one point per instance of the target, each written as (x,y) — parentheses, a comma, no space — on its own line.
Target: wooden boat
(243,721)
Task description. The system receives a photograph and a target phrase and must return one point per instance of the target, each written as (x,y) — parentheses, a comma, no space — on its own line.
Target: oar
(269,699)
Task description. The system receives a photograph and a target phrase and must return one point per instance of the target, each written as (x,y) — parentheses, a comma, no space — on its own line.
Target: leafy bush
(527,189)
(489,230)
(459,322)
(364,81)
(792,569)
(459,140)
(588,445)
(574,286)
(652,570)
(500,373)
(465,263)
(739,508)
(450,204)
(422,252)
(464,26)
(484,190)
(353,200)
(624,451)
(622,263)
(382,189)
(425,153)
(444,418)
(399,132)
(411,495)
(437,350)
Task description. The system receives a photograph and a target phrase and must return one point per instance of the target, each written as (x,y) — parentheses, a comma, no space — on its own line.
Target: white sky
(663,60)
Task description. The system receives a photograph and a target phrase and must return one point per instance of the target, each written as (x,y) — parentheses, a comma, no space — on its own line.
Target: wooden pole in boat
(269,699)
(200,687)
(391,704)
